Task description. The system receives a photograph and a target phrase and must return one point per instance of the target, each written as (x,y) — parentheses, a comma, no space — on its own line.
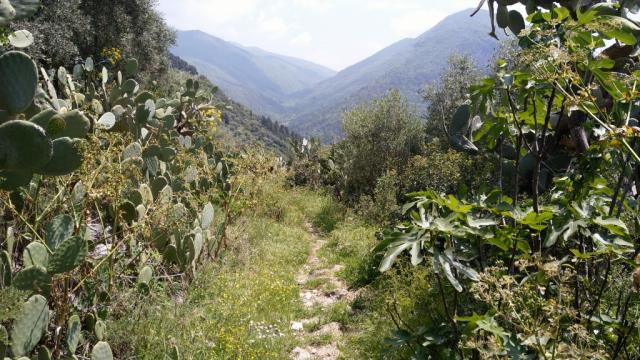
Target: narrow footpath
(320,289)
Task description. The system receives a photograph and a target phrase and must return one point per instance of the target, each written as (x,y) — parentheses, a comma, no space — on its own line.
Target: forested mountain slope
(407,65)
(250,76)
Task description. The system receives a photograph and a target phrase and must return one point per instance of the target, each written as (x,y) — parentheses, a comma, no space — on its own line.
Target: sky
(333,33)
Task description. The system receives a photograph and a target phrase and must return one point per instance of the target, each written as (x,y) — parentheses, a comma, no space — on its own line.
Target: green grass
(240,308)
(350,245)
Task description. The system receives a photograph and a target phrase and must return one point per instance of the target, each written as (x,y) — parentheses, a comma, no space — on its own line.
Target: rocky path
(320,288)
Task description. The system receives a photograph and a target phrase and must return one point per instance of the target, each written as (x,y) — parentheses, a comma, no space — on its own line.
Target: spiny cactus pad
(145,275)
(33,278)
(100,330)
(76,125)
(11,180)
(69,255)
(58,230)
(101,351)
(206,218)
(74,328)
(66,158)
(29,325)
(35,254)
(19,79)
(24,146)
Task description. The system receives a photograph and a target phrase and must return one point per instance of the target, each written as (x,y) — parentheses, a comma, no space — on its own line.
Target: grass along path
(249,305)
(299,282)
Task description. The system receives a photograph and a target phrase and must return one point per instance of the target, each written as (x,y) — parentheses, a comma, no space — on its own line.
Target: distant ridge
(407,65)
(254,77)
(310,98)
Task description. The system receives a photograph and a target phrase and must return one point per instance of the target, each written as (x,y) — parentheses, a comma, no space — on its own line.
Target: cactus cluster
(167,164)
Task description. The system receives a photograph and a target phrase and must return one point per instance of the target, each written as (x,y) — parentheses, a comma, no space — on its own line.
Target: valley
(311,99)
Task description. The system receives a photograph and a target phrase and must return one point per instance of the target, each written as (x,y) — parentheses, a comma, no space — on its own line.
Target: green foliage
(30,325)
(450,91)
(62,32)
(19,75)
(74,328)
(541,272)
(397,133)
(77,224)
(328,217)
(68,255)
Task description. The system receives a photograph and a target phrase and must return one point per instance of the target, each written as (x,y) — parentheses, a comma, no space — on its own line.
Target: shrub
(381,136)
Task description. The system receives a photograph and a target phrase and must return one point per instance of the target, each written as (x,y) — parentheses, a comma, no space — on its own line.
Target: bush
(381,136)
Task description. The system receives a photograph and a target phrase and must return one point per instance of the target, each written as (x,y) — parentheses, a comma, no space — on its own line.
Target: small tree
(381,136)
(450,91)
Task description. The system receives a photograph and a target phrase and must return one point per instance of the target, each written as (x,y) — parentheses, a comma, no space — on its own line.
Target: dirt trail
(333,290)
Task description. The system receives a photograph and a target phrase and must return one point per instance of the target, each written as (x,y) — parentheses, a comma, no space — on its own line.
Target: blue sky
(333,33)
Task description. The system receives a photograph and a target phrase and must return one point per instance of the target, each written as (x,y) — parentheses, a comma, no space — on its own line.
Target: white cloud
(414,23)
(393,4)
(302,39)
(315,5)
(218,11)
(274,26)
(334,33)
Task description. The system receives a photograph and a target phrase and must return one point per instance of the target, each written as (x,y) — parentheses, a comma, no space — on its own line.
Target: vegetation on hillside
(136,221)
(539,259)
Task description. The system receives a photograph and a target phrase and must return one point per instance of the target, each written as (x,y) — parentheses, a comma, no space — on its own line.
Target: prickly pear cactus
(24,146)
(77,125)
(29,326)
(35,254)
(66,158)
(19,79)
(69,255)
(58,230)
(33,278)
(100,329)
(101,351)
(206,218)
(4,341)
(44,353)
(5,269)
(74,328)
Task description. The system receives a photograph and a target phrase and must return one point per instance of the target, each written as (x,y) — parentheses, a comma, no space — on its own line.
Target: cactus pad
(101,351)
(24,146)
(35,254)
(4,340)
(11,180)
(66,158)
(74,328)
(29,325)
(58,230)
(19,79)
(76,125)
(69,255)
(145,275)
(206,218)
(25,8)
(5,269)
(33,278)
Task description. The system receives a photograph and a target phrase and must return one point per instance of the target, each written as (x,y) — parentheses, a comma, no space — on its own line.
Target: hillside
(250,76)
(407,65)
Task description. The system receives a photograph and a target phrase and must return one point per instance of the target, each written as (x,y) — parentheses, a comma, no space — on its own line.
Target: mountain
(407,65)
(312,99)
(251,76)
